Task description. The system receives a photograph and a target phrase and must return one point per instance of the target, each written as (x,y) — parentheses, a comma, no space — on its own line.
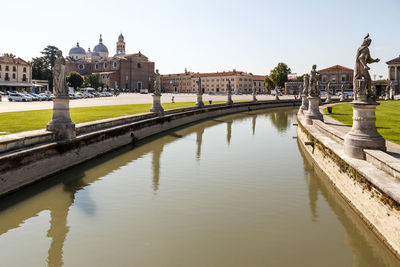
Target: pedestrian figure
(173,99)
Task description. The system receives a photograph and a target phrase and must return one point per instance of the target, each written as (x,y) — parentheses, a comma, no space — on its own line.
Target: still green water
(232,191)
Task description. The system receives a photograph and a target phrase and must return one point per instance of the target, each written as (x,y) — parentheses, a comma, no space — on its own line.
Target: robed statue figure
(157,83)
(60,87)
(313,84)
(361,69)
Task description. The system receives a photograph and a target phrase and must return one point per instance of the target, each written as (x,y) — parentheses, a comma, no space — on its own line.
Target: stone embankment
(29,157)
(370,186)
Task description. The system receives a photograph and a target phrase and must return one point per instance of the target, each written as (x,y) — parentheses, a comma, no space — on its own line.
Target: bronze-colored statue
(60,87)
(361,69)
(314,82)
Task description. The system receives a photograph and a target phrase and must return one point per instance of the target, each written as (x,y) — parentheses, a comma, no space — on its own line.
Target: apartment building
(15,74)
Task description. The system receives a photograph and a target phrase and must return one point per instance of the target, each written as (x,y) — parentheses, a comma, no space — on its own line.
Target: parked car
(18,97)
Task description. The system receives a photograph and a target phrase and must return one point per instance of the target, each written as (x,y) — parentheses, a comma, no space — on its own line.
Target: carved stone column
(61,122)
(200,102)
(304,105)
(313,112)
(157,108)
(363,134)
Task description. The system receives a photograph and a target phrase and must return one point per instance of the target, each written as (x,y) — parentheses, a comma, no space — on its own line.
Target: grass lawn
(387,118)
(13,122)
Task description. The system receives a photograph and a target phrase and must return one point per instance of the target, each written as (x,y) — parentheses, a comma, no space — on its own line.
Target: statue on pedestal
(342,93)
(328,93)
(305,84)
(199,94)
(362,80)
(314,82)
(199,90)
(157,83)
(60,87)
(229,92)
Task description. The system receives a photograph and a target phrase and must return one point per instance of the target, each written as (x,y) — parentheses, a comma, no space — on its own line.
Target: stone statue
(157,83)
(391,92)
(60,87)
(314,82)
(199,91)
(361,70)
(229,87)
(305,84)
(328,89)
(342,93)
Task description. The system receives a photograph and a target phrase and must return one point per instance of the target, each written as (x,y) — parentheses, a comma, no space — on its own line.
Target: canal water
(231,191)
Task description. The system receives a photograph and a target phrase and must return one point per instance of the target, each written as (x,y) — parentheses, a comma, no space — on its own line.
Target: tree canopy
(269,84)
(74,79)
(279,74)
(41,66)
(93,80)
(49,54)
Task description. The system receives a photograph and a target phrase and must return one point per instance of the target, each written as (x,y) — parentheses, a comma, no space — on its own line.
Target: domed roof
(100,47)
(77,50)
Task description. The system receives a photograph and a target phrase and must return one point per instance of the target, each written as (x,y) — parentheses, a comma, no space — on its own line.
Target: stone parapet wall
(371,187)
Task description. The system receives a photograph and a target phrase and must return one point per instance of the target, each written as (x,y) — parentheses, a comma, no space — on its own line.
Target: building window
(0,67)
(105,65)
(14,68)
(13,75)
(24,69)
(96,66)
(7,78)
(115,65)
(333,79)
(24,78)
(139,65)
(7,68)
(343,78)
(81,67)
(324,78)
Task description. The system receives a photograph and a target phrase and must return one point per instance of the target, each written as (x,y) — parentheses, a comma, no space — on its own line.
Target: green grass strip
(20,121)
(387,118)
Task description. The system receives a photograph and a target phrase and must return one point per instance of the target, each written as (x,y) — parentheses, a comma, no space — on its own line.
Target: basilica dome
(101,48)
(77,52)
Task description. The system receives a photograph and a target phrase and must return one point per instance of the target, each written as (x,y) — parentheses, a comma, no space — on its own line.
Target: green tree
(49,54)
(279,74)
(269,84)
(40,69)
(75,79)
(9,55)
(93,80)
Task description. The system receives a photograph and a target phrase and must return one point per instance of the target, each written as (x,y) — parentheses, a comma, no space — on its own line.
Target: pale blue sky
(209,36)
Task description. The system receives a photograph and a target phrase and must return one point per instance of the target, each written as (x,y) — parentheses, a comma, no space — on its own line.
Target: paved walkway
(392,148)
(124,99)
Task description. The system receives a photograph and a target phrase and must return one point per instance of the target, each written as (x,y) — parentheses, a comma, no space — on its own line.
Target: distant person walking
(173,99)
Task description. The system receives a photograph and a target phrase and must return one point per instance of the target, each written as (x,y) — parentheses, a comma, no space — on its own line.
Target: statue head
(314,67)
(157,71)
(367,40)
(59,53)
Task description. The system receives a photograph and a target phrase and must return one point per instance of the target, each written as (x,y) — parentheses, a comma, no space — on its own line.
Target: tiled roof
(394,61)
(212,74)
(258,78)
(11,60)
(336,68)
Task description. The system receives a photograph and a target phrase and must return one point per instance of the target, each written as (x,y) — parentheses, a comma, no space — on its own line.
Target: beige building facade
(211,83)
(337,76)
(15,74)
(259,84)
(394,74)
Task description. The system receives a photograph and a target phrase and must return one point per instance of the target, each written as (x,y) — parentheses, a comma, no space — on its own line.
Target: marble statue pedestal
(342,97)
(61,122)
(313,112)
(200,103)
(304,105)
(254,98)
(328,99)
(157,108)
(363,134)
(276,97)
(229,101)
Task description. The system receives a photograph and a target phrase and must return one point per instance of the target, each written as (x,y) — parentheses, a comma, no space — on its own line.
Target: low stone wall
(23,162)
(370,186)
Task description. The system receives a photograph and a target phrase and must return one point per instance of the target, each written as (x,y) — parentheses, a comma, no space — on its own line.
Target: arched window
(24,77)
(96,66)
(114,64)
(139,65)
(24,69)
(81,67)
(105,65)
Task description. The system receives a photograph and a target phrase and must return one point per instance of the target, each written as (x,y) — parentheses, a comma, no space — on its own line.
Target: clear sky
(208,36)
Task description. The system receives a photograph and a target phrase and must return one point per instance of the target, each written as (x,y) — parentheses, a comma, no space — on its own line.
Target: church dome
(77,50)
(100,47)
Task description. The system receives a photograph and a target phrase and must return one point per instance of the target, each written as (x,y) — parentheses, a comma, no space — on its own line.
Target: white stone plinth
(328,99)
(229,101)
(304,105)
(313,112)
(200,102)
(342,97)
(254,97)
(61,122)
(157,108)
(363,134)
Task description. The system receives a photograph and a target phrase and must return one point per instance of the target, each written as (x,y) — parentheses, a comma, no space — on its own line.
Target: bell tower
(120,44)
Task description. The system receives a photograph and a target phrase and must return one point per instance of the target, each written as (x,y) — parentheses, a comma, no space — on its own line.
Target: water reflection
(368,250)
(58,195)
